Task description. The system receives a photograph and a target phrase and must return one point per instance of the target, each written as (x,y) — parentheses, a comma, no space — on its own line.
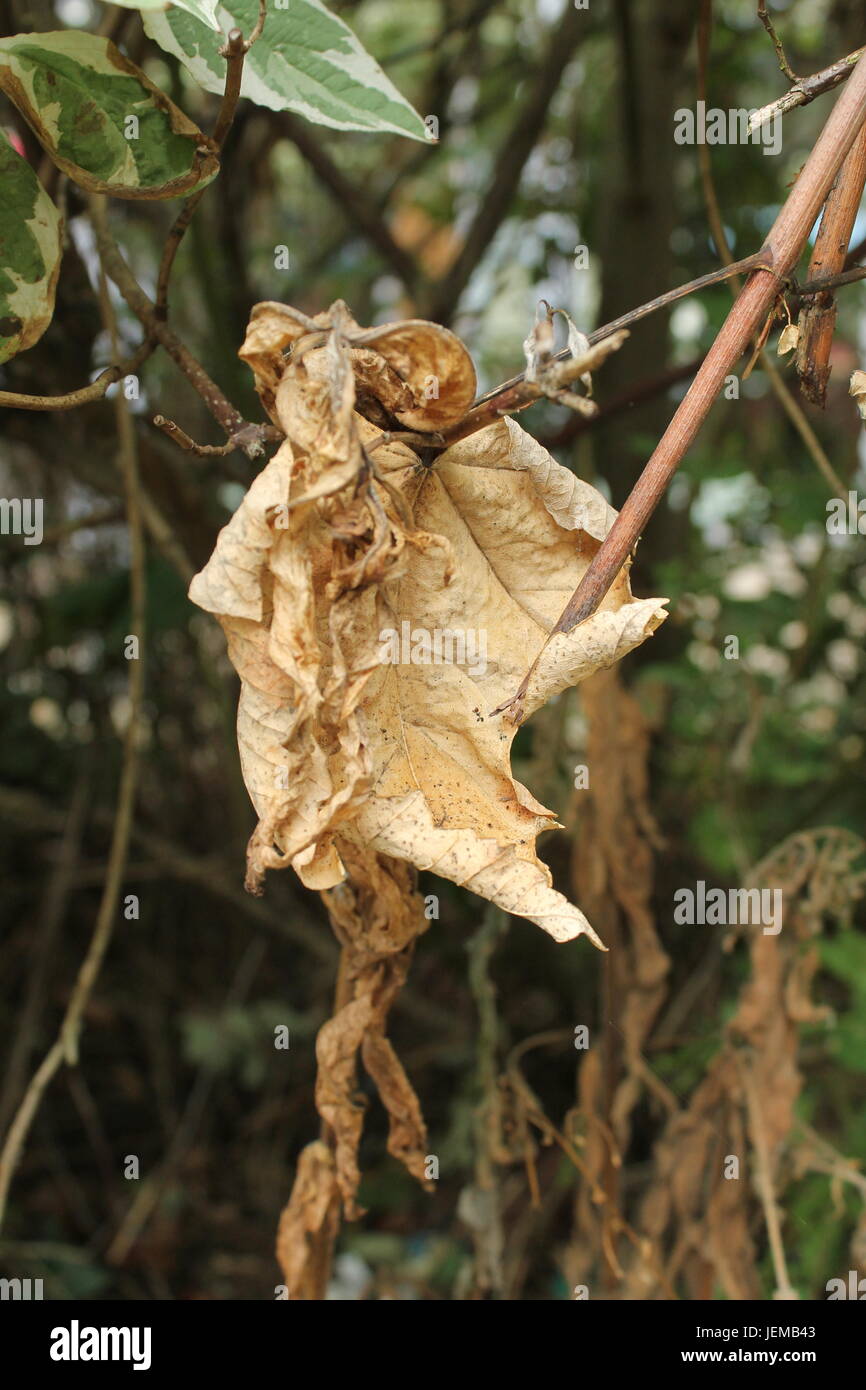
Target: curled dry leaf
(376,915)
(309,1223)
(378,609)
(788,339)
(543,370)
(857,389)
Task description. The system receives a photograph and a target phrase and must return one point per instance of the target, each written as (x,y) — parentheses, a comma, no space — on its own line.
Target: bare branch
(806,89)
(144,309)
(85,394)
(241,439)
(831,282)
(234,52)
(777,42)
(520,393)
(496,402)
(817,319)
(783,246)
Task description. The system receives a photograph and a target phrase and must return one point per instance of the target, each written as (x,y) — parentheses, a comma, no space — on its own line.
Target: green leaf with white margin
(307,60)
(31,231)
(203,9)
(101,120)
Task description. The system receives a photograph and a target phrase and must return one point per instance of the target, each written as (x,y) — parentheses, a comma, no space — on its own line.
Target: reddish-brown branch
(520,393)
(832,282)
(783,246)
(784,243)
(817,321)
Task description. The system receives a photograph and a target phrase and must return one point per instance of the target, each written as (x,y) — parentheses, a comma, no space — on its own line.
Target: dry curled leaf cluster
(352,548)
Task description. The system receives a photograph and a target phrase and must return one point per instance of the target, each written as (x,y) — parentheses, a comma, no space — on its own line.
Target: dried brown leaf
(309,1223)
(376,915)
(330,587)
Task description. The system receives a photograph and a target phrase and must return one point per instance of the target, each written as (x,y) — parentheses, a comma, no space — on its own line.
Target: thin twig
(85,394)
(495,398)
(830,282)
(240,440)
(145,310)
(234,52)
(520,393)
(777,42)
(65,1047)
(259,24)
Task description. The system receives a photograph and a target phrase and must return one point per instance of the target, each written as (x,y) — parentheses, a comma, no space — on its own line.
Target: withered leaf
(376,915)
(377,610)
(309,1223)
(788,339)
(857,389)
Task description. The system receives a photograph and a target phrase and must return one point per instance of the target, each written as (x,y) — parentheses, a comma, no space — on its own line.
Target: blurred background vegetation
(558,1167)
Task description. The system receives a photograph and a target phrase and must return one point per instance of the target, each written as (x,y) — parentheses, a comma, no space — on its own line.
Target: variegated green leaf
(307,60)
(203,9)
(30,248)
(102,121)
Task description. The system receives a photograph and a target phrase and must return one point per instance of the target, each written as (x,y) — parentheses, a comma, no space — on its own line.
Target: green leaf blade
(101,120)
(306,60)
(31,232)
(202,9)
